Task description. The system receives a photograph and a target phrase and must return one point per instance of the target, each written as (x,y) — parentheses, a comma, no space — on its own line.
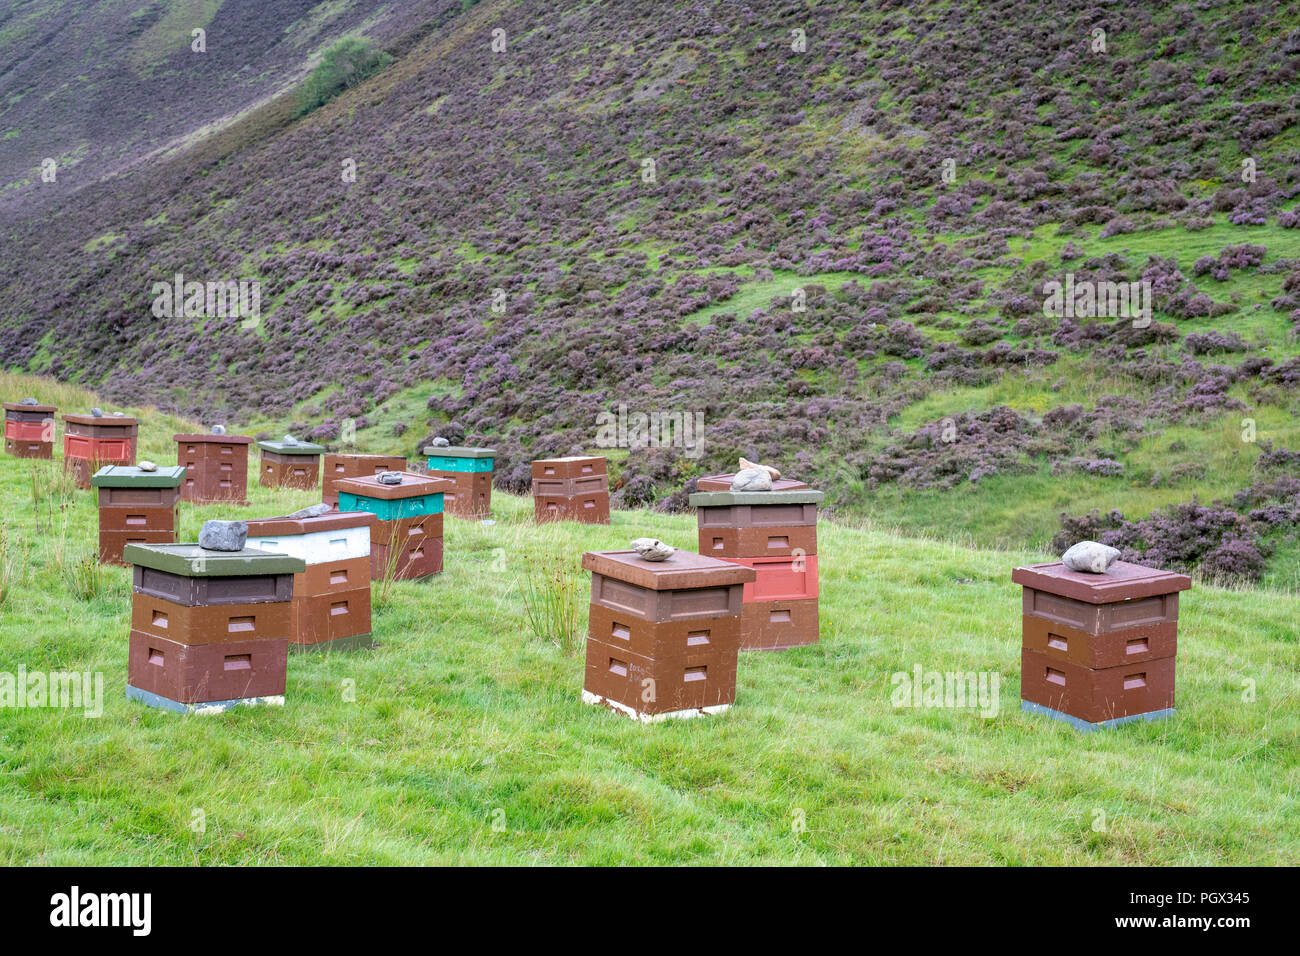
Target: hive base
(205,707)
(351,643)
(589,698)
(1079,724)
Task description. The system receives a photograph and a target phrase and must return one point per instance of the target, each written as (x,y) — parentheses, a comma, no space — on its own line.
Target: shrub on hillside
(344,65)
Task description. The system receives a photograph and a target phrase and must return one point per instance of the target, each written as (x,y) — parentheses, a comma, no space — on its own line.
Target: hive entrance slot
(694,674)
(1055,677)
(238,662)
(1134,681)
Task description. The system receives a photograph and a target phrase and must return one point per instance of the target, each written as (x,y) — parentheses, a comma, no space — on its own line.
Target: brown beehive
(1098,649)
(209,629)
(663,636)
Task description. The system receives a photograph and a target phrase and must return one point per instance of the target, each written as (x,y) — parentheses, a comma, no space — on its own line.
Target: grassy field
(460,738)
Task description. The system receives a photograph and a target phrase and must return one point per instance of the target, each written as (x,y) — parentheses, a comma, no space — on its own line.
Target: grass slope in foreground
(466,742)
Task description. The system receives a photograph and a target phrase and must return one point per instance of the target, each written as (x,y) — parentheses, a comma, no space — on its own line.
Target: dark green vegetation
(345,64)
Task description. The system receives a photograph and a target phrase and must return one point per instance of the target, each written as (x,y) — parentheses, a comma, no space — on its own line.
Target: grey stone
(311,511)
(29,401)
(97,413)
(118,415)
(147,465)
(1090,556)
(441,442)
(288,440)
(218,429)
(752,479)
(390,478)
(652,549)
(223,535)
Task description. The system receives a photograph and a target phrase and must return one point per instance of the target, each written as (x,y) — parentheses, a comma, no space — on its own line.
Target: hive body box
(331,596)
(354,466)
(775,534)
(216,467)
(663,636)
(406,538)
(135,507)
(289,466)
(29,430)
(209,629)
(89,443)
(1098,649)
(470,471)
(571,489)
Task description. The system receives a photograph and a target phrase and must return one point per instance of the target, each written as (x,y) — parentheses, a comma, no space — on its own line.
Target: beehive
(135,507)
(89,443)
(1098,649)
(216,467)
(29,430)
(209,629)
(470,471)
(286,465)
(571,489)
(331,596)
(406,538)
(775,534)
(663,636)
(336,466)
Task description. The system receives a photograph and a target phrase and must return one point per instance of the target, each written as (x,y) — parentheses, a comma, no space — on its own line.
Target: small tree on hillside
(344,65)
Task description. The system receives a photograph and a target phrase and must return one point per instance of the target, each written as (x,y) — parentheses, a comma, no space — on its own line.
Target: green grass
(461,739)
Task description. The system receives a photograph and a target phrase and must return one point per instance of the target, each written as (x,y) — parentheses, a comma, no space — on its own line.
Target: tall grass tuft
(550,591)
(12,562)
(84,576)
(381,589)
(53,486)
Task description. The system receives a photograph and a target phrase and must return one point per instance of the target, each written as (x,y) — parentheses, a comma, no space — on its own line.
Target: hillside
(642,192)
(466,741)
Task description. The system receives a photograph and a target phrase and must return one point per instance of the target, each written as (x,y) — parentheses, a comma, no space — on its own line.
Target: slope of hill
(99,88)
(461,738)
(823,227)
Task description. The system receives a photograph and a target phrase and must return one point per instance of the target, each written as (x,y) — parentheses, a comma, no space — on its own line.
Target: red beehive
(1098,649)
(209,629)
(663,636)
(775,534)
(216,467)
(29,430)
(89,443)
(354,466)
(571,489)
(331,596)
(135,507)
